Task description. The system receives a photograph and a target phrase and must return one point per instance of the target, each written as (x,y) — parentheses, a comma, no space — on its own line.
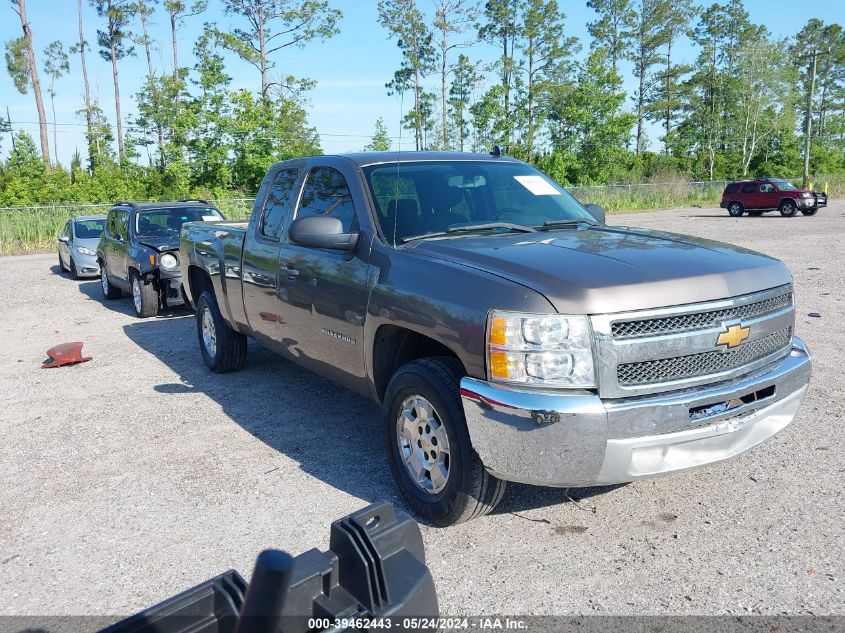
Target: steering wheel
(506,211)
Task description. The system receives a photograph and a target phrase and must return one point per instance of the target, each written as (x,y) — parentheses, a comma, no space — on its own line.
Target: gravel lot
(139,474)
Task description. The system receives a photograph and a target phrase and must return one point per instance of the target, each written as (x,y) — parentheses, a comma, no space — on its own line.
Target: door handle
(291,271)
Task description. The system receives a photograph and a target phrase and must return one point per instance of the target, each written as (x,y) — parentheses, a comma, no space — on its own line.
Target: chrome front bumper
(577,440)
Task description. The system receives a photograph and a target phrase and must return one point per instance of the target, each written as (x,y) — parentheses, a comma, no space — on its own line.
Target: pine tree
(20,61)
(380,141)
(56,65)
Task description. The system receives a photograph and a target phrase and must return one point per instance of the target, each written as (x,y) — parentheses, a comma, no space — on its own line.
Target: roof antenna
(497,152)
(398,155)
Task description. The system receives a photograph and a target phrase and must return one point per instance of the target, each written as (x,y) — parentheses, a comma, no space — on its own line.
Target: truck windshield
(785,186)
(168,222)
(414,199)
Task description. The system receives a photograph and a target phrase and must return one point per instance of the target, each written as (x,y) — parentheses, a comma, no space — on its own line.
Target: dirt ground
(139,474)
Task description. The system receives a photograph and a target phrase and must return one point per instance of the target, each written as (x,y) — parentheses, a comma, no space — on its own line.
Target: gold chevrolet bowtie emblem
(733,336)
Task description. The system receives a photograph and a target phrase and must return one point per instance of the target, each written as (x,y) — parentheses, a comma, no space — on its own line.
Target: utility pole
(11,132)
(808,122)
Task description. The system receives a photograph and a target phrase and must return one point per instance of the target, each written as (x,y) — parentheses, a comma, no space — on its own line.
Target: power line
(136,129)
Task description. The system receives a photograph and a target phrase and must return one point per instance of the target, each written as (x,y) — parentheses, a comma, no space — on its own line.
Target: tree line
(741,106)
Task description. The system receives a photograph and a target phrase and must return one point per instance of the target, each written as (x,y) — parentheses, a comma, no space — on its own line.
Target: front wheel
(144,297)
(788,208)
(62,267)
(223,349)
(735,209)
(110,291)
(428,445)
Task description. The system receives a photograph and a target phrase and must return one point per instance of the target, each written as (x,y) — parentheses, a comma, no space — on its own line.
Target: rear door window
(277,206)
(110,224)
(121,224)
(749,188)
(327,193)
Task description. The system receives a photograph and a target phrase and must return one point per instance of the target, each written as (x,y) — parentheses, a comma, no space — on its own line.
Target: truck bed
(217,247)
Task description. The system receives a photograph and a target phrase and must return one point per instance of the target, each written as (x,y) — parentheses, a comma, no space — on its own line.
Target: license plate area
(737,406)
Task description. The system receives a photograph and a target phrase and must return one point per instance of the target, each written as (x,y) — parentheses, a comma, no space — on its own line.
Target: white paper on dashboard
(209,218)
(537,185)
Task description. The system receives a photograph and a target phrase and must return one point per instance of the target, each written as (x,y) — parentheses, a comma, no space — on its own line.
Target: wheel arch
(199,280)
(395,345)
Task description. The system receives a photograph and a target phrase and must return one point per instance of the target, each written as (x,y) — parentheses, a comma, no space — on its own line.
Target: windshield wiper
(483,226)
(550,223)
(464,228)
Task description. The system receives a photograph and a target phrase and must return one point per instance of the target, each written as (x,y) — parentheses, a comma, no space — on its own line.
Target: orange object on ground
(65,354)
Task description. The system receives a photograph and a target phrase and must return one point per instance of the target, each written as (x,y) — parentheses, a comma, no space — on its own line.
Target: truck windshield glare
(428,198)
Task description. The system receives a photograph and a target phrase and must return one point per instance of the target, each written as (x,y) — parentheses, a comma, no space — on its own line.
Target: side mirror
(64,238)
(320,231)
(597,211)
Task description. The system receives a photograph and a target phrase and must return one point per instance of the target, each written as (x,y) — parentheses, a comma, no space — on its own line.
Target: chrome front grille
(692,365)
(699,320)
(650,351)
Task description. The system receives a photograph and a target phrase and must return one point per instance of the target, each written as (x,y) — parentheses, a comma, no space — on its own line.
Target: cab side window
(767,188)
(277,206)
(327,193)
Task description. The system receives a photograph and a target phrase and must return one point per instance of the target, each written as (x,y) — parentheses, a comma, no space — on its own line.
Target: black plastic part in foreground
(375,568)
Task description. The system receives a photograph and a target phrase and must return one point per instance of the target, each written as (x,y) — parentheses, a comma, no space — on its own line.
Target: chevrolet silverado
(507,331)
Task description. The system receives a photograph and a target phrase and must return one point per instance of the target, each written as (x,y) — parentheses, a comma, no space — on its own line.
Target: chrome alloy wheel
(423,444)
(209,334)
(136,294)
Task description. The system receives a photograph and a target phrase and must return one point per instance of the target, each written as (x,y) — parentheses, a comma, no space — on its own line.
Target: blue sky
(350,69)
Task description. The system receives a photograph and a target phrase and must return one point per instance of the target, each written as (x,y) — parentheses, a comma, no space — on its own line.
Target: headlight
(806,194)
(84,251)
(543,349)
(168,260)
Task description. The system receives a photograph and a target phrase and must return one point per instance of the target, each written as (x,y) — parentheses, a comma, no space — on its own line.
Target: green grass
(650,196)
(34,229)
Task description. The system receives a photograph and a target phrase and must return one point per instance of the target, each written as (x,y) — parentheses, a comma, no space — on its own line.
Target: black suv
(139,251)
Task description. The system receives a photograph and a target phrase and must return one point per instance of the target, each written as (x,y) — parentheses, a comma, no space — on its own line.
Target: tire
(787,208)
(73,272)
(735,209)
(109,291)
(62,267)
(810,211)
(144,296)
(223,349)
(467,490)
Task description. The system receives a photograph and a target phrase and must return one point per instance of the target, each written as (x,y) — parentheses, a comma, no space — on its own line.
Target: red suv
(769,194)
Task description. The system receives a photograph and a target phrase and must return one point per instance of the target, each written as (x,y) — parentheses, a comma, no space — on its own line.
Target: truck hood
(606,269)
(160,244)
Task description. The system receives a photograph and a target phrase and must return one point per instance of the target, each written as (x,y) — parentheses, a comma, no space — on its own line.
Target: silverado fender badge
(733,336)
